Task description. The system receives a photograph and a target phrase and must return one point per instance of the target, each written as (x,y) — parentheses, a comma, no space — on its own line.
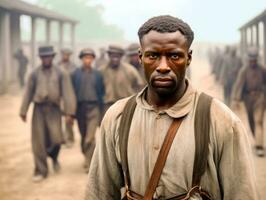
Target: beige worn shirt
(49,85)
(229,174)
(249,80)
(120,82)
(69,66)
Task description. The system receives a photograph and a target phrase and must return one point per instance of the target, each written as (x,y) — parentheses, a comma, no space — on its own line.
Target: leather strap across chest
(202,139)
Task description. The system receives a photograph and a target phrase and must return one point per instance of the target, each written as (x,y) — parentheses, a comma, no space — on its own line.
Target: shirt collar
(180,109)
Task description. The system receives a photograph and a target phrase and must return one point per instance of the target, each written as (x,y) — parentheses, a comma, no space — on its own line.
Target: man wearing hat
(250,88)
(47,86)
(22,65)
(120,78)
(101,60)
(229,69)
(68,66)
(133,58)
(89,90)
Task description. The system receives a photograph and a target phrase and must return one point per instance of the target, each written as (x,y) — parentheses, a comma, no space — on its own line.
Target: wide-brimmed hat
(87,51)
(46,51)
(253,53)
(66,51)
(133,49)
(115,49)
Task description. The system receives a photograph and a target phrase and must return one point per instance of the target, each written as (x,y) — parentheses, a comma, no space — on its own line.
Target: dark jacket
(99,85)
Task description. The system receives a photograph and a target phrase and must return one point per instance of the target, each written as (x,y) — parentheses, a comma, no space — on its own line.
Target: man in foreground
(168,99)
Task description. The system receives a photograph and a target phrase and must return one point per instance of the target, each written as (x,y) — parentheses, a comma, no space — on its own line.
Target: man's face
(134,59)
(87,60)
(253,62)
(66,57)
(47,61)
(165,57)
(115,59)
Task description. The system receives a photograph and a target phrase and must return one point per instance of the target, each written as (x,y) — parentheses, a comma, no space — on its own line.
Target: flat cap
(87,51)
(253,53)
(115,49)
(133,49)
(46,51)
(66,51)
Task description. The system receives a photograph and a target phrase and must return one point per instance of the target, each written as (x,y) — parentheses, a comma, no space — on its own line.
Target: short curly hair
(166,24)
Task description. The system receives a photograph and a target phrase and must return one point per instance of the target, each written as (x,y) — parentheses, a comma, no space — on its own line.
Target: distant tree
(91,23)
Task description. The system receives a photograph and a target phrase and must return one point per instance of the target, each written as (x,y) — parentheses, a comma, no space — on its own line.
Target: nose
(163,67)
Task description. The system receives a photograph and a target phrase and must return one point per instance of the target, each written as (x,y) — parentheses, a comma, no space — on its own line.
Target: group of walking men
(243,80)
(83,93)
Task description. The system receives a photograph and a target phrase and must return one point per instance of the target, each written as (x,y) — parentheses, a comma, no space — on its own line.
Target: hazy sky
(211,20)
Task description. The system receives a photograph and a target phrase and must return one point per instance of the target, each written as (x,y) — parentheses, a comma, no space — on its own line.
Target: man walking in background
(22,66)
(250,87)
(89,90)
(46,88)
(120,78)
(133,58)
(230,68)
(101,60)
(68,66)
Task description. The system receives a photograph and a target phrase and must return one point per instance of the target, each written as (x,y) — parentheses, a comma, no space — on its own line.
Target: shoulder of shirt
(128,66)
(218,108)
(103,67)
(34,71)
(114,112)
(223,119)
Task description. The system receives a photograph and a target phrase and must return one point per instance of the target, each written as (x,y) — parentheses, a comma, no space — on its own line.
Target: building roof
(255,20)
(25,8)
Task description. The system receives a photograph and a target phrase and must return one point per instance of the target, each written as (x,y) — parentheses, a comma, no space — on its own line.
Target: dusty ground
(16,162)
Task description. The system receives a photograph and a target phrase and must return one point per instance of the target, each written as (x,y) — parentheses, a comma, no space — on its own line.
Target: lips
(163,82)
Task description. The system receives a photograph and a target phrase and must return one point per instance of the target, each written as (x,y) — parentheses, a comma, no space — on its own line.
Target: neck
(87,67)
(162,102)
(47,67)
(65,61)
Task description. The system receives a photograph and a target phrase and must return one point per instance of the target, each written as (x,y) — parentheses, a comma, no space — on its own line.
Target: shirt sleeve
(28,95)
(68,95)
(236,168)
(105,176)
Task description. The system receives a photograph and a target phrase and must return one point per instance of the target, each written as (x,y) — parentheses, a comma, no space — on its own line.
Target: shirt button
(156,148)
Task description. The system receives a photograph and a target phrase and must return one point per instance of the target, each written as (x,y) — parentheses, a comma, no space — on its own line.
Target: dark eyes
(154,56)
(174,56)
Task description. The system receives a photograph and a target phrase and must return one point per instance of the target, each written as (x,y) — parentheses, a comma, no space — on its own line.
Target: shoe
(38,178)
(56,166)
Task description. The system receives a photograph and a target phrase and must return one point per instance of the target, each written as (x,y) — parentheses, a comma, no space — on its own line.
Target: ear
(140,54)
(189,57)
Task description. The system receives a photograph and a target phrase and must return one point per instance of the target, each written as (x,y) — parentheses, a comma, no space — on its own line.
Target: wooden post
(48,31)
(33,42)
(264,41)
(72,32)
(61,35)
(6,46)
